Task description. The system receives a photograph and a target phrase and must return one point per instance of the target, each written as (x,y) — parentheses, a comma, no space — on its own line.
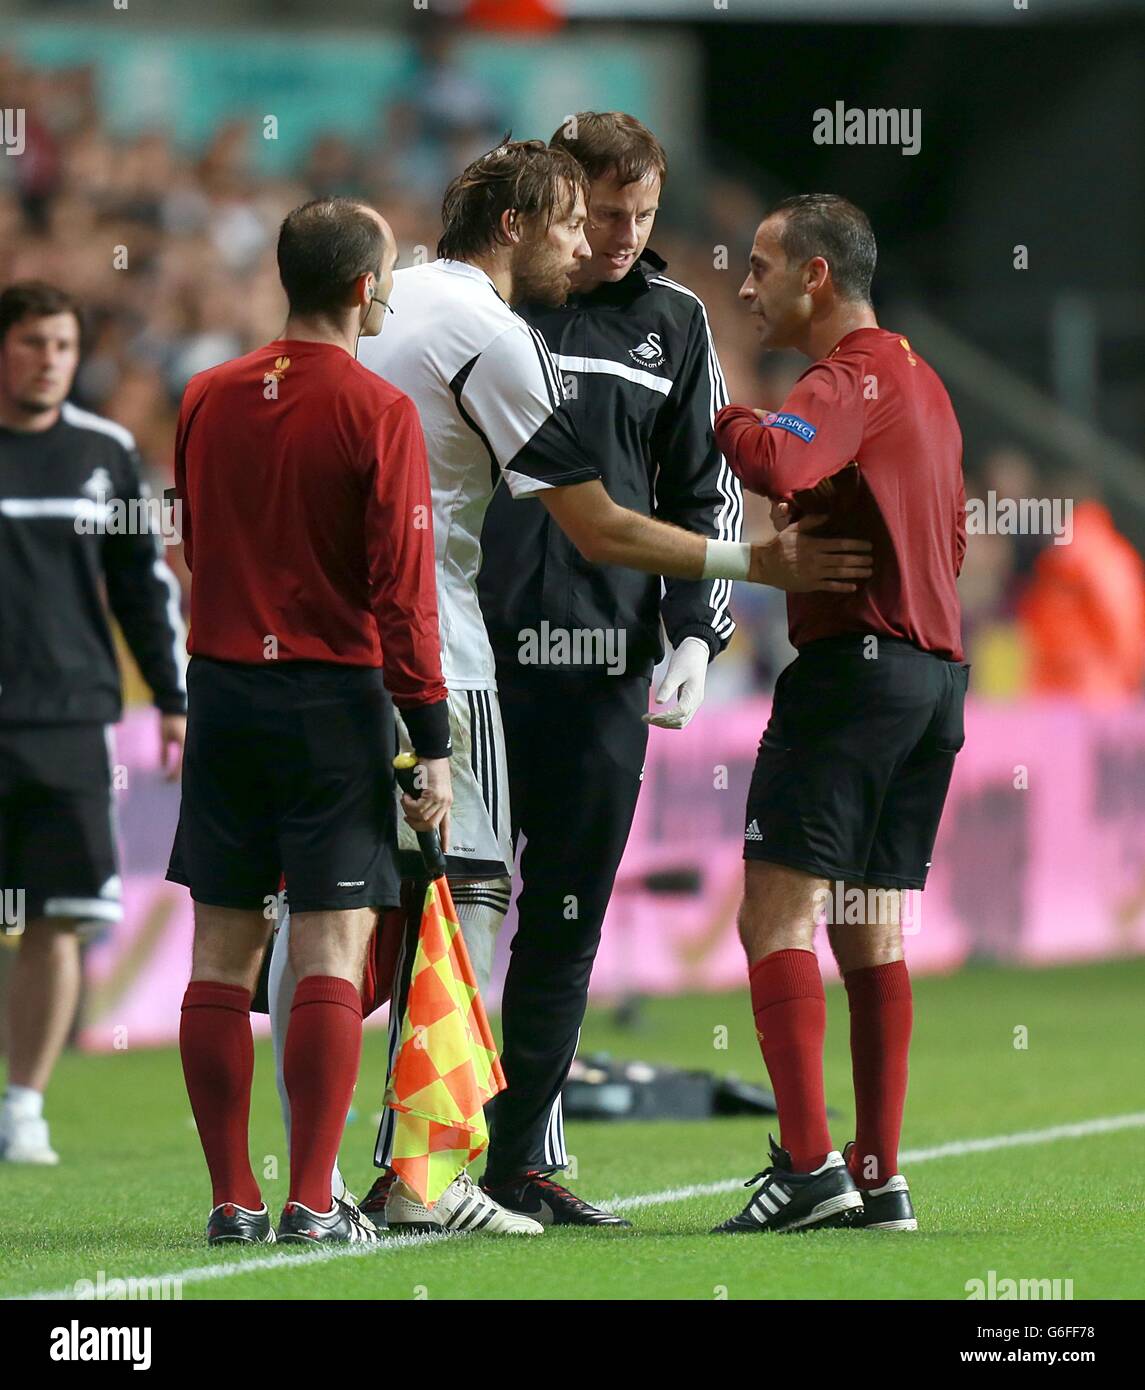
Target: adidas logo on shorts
(753,831)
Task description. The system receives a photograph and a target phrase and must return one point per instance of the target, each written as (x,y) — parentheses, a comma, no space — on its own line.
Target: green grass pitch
(131,1196)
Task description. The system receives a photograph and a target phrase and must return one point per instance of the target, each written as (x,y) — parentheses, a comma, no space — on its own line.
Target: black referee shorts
(57,833)
(288,769)
(854,766)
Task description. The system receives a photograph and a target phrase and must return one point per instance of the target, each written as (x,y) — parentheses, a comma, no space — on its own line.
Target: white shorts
(480,838)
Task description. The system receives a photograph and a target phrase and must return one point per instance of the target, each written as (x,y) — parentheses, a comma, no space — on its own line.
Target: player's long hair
(524,176)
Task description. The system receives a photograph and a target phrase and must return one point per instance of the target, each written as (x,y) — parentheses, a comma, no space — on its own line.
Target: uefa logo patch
(802,429)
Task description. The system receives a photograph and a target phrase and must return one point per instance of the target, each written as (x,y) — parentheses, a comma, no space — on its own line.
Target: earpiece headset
(372,295)
(365,318)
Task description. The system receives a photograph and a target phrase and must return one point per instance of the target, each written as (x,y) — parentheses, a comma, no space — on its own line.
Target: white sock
(481,908)
(281,985)
(23,1103)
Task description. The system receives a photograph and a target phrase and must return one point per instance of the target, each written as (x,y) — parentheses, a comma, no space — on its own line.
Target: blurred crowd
(172,253)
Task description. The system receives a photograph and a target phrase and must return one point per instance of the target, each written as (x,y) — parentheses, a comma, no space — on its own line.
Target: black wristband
(428,727)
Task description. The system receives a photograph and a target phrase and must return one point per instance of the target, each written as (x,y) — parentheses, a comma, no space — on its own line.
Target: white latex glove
(683,682)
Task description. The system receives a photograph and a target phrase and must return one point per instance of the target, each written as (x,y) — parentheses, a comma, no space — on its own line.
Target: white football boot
(461,1207)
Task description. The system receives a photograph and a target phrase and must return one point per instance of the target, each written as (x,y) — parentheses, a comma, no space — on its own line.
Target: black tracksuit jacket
(65,559)
(642,384)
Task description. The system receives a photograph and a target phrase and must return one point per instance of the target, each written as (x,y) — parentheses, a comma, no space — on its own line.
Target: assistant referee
(306,503)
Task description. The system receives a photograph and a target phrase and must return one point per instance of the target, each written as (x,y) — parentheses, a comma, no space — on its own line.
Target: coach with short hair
(306,519)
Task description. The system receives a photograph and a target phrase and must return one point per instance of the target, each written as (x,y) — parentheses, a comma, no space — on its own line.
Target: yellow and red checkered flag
(447,1065)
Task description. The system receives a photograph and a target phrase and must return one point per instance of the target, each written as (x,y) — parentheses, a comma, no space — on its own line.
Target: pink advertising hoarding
(1041,855)
(1041,858)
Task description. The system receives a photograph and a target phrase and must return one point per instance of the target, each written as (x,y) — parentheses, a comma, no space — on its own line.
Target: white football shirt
(489,397)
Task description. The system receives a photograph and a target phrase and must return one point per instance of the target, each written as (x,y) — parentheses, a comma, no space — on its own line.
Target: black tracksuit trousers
(575,745)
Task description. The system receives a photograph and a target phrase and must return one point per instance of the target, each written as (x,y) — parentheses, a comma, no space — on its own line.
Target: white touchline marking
(1080,1130)
(203,1273)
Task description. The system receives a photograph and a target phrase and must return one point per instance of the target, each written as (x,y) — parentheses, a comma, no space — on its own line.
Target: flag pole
(429,841)
(446,1067)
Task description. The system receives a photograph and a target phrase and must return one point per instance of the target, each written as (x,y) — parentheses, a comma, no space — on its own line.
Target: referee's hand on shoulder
(799,561)
(430,810)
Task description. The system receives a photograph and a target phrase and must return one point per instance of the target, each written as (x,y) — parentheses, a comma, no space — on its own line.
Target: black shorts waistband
(304,674)
(282,687)
(856,642)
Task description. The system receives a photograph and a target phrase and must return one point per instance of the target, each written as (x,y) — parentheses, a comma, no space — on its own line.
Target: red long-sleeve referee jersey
(307,517)
(872,400)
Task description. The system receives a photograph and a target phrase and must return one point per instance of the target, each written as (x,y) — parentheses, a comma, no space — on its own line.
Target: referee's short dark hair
(323,247)
(525,175)
(34,299)
(824,224)
(612,143)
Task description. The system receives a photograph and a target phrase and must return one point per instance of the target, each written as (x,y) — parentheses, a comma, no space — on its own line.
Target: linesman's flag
(447,1065)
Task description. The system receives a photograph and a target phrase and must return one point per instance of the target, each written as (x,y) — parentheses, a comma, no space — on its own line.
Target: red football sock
(217,1049)
(882,1012)
(320,1068)
(790,1022)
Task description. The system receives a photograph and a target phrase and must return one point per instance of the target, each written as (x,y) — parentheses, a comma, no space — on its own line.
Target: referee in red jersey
(307,529)
(853,769)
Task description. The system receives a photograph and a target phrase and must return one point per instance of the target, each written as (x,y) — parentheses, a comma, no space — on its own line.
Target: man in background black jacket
(76,524)
(576,643)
